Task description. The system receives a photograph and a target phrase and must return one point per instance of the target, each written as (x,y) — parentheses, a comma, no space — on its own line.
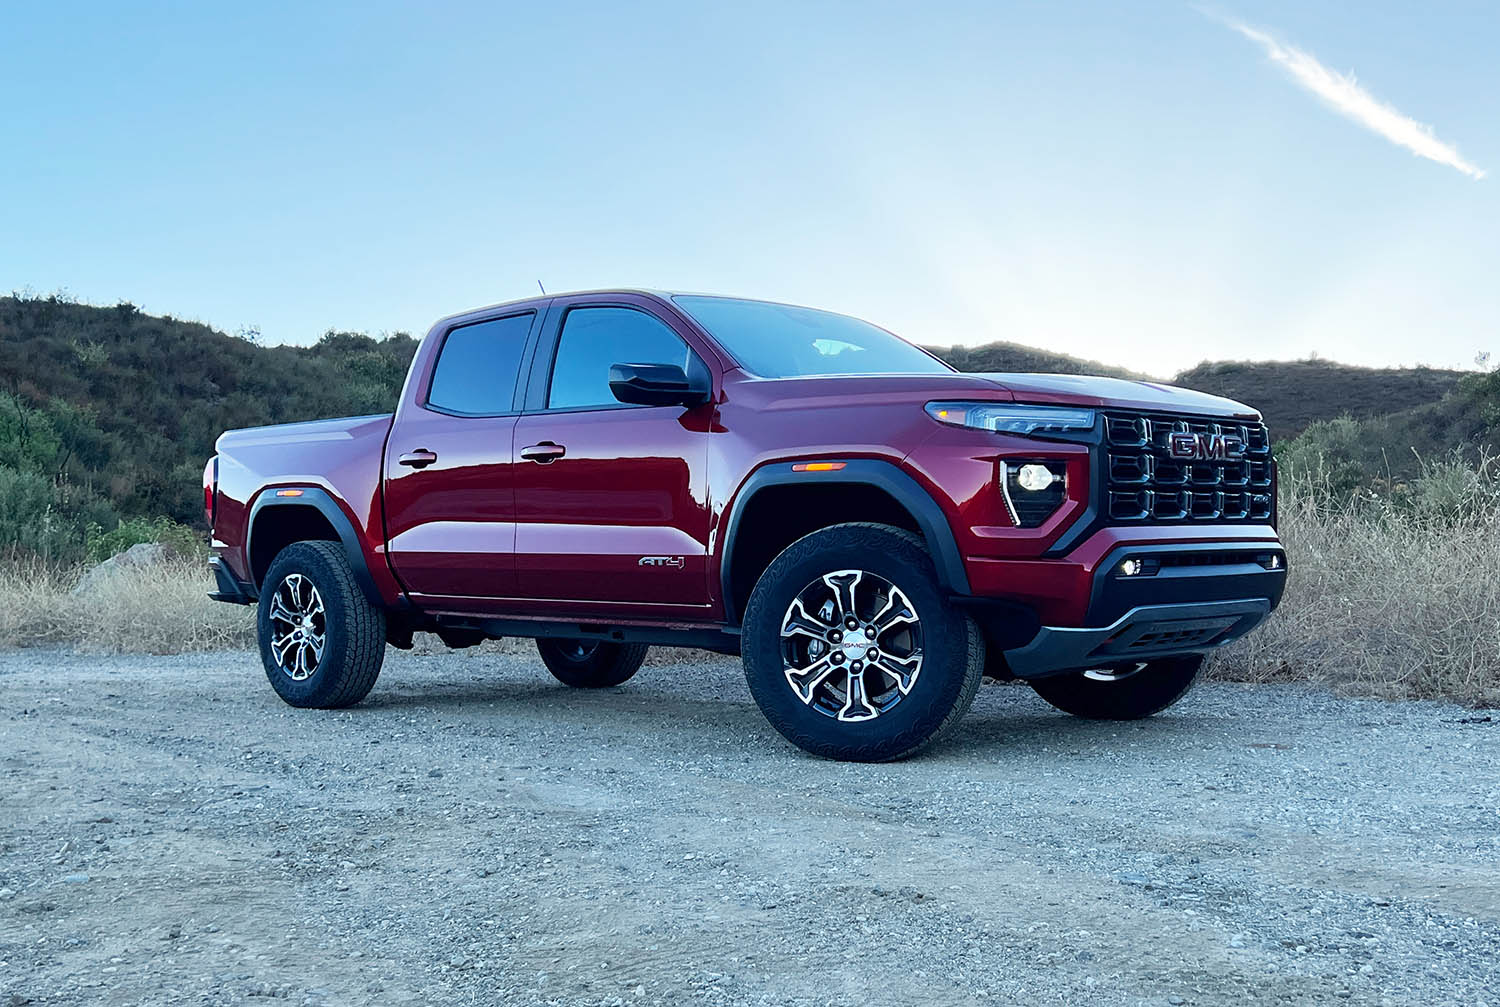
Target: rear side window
(477,367)
(594,338)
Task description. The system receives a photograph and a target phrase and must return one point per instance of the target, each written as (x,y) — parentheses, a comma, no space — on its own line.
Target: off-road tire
(952,646)
(1146,692)
(354,629)
(597,667)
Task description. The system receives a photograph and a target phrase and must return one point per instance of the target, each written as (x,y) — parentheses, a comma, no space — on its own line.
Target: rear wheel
(591,664)
(852,652)
(321,640)
(1129,693)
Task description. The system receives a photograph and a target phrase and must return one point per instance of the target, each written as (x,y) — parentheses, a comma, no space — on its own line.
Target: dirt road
(476,833)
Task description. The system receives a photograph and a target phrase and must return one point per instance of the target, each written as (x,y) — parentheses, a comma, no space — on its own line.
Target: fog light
(1275,563)
(1130,567)
(1035,477)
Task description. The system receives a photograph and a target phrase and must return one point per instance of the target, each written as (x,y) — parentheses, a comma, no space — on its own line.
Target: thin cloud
(1343,93)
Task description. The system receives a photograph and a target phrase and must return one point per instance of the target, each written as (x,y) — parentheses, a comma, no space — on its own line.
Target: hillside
(1294,394)
(108,413)
(1002,357)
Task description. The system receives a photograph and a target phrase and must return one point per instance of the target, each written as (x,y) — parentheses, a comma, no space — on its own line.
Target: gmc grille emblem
(1204,447)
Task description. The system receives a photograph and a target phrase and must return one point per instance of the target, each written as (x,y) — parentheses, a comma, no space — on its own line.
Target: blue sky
(1138,183)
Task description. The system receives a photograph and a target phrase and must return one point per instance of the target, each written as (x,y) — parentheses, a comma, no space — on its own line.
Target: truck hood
(1049,389)
(1084,390)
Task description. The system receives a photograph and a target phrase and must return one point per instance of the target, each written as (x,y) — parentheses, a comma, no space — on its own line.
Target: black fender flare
(862,471)
(323,503)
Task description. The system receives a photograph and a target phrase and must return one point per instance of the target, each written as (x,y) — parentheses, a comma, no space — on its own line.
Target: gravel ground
(476,833)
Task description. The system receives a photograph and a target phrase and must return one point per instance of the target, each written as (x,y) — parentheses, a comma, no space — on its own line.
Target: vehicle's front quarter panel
(767,423)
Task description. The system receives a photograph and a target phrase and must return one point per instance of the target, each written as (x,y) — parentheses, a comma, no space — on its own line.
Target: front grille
(1144,484)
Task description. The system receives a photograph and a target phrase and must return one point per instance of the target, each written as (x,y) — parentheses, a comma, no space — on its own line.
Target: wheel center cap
(854,646)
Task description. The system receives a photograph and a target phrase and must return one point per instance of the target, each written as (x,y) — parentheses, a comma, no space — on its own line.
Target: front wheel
(1129,693)
(321,640)
(591,664)
(852,652)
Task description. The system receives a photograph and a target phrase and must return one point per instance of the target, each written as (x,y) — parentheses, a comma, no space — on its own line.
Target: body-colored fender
(860,471)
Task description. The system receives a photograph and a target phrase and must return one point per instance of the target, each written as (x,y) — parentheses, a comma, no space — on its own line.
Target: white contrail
(1344,94)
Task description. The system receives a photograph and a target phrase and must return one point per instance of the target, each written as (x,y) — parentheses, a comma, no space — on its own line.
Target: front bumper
(1083,611)
(1143,633)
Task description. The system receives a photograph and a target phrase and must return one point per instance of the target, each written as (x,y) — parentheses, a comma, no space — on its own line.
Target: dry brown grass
(1399,602)
(153,610)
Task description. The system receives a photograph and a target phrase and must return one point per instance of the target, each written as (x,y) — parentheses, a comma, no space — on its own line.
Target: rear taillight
(210,489)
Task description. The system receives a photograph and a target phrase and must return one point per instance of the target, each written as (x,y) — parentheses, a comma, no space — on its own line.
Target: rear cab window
(477,367)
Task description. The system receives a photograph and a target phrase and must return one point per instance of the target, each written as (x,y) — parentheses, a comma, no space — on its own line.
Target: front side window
(784,341)
(595,338)
(477,367)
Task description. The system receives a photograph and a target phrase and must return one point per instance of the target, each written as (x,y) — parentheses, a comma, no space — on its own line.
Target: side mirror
(658,385)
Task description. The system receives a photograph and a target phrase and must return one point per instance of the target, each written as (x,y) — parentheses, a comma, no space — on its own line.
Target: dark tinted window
(476,371)
(593,339)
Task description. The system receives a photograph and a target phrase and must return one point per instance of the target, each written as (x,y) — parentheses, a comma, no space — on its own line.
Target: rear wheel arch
(277,522)
(776,506)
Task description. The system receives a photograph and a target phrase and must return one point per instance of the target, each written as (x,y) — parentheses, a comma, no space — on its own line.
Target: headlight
(1011,419)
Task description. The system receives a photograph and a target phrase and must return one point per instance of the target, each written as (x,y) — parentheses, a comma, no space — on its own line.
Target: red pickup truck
(870,529)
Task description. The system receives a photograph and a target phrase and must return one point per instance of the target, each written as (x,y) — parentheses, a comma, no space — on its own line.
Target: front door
(611,499)
(449,495)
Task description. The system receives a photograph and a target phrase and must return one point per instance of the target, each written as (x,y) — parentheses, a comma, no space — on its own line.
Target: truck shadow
(1004,721)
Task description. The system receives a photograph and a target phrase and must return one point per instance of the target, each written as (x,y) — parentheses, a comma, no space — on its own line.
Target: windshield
(782,341)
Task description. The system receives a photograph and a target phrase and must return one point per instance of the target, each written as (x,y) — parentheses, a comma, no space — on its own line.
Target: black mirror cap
(658,385)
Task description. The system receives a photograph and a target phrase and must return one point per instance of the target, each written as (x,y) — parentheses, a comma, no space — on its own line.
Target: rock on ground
(139,555)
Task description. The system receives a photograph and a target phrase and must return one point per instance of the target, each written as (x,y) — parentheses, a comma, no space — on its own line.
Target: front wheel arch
(919,514)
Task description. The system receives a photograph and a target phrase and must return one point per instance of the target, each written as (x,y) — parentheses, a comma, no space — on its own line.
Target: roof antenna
(540,287)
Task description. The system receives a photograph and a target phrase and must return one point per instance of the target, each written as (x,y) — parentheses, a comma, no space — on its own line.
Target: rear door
(449,486)
(611,499)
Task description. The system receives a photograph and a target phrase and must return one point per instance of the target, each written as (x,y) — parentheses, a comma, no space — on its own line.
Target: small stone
(76,879)
(434,774)
(7,893)
(1176,1001)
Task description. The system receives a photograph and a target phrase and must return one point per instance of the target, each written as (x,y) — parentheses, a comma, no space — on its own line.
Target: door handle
(544,453)
(418,459)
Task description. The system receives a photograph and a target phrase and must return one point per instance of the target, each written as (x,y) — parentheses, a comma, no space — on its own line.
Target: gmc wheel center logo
(1204,447)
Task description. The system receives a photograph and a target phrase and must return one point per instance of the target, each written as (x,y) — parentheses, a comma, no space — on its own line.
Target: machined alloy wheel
(1127,692)
(851,648)
(322,640)
(851,644)
(299,627)
(591,664)
(577,650)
